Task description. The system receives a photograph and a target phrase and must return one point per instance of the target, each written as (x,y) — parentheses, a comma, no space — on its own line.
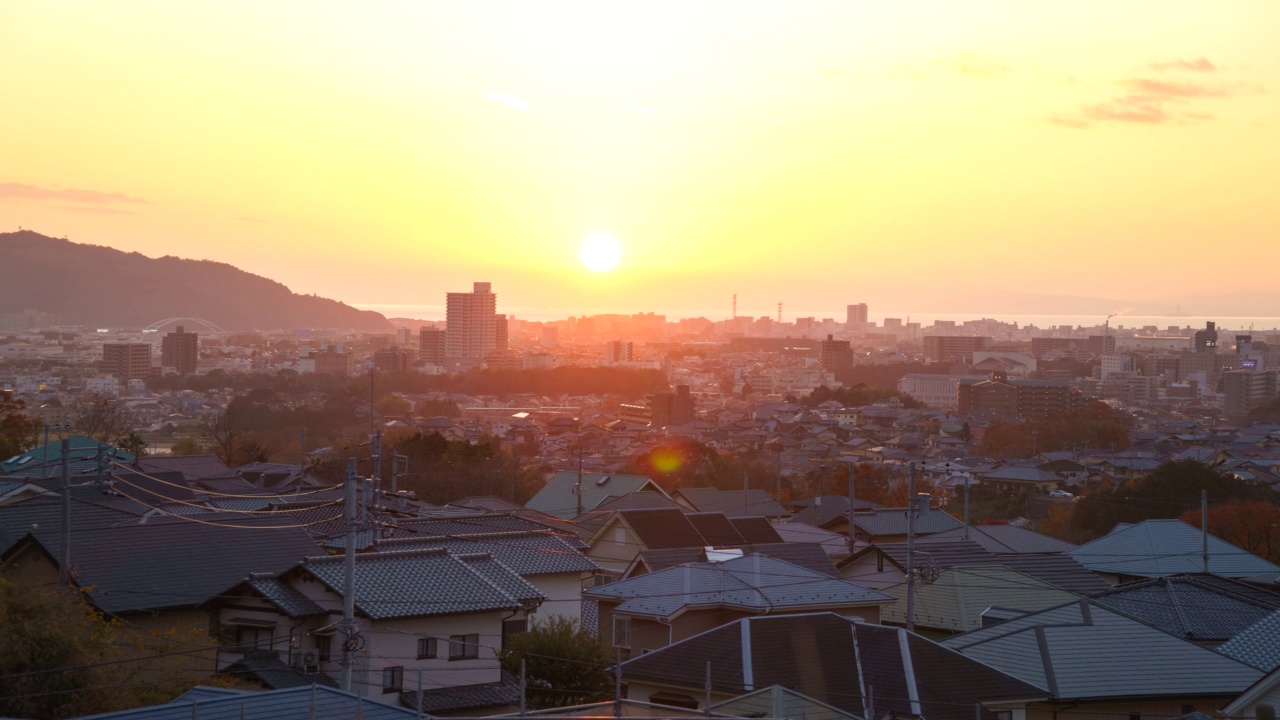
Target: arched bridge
(210,327)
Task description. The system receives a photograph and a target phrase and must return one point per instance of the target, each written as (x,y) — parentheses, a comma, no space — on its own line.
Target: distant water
(1162,322)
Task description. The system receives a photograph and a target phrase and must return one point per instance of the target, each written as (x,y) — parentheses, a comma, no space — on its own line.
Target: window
(622,632)
(511,628)
(464,647)
(1265,712)
(251,637)
(426,648)
(393,679)
(324,647)
(879,562)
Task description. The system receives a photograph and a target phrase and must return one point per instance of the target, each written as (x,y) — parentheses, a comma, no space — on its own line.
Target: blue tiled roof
(1153,548)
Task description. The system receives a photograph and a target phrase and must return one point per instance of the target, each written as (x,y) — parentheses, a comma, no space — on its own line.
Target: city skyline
(817,155)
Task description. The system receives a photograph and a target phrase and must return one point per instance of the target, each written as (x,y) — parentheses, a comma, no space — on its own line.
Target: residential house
(733,503)
(1205,609)
(958,599)
(1154,548)
(560,496)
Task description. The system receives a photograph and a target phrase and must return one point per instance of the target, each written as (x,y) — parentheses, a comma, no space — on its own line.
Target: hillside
(100,286)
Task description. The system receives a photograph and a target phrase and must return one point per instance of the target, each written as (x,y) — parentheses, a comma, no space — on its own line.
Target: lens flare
(666,460)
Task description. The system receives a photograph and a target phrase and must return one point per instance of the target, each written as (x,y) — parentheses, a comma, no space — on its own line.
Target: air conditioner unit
(310,661)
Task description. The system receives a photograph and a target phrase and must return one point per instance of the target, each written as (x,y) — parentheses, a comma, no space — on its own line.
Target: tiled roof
(833,660)
(173,562)
(715,529)
(662,528)
(831,543)
(1083,650)
(755,583)
(776,701)
(955,600)
(826,509)
(413,583)
(733,503)
(284,596)
(267,668)
(194,467)
(893,521)
(465,697)
(1057,569)
(527,553)
(1153,548)
(46,460)
(756,529)
(1006,539)
(636,501)
(557,497)
(1257,644)
(1185,607)
(295,703)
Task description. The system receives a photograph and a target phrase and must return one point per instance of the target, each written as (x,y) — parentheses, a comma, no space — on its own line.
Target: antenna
(735,306)
(779,312)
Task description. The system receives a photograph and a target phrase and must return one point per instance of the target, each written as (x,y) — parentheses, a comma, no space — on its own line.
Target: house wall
(1136,709)
(1270,697)
(612,551)
(564,591)
(31,568)
(866,572)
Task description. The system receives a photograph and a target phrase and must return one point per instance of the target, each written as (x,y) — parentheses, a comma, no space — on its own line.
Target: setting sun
(600,253)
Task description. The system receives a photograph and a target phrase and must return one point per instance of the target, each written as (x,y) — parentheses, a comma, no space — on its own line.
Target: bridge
(205,324)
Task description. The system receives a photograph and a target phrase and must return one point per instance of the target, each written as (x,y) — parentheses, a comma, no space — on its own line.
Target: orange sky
(814,153)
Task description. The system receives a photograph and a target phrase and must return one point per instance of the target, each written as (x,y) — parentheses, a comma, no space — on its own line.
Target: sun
(600,252)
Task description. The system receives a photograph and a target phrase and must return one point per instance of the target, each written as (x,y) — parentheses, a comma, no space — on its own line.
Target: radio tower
(735,306)
(779,312)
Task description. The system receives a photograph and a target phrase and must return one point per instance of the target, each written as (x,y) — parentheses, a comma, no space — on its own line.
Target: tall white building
(471,323)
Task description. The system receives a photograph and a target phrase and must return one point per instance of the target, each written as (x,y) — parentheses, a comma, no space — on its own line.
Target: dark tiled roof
(465,697)
(557,498)
(1007,539)
(733,503)
(715,529)
(663,528)
(286,597)
(1054,568)
(527,553)
(756,529)
(194,467)
(810,556)
(414,583)
(893,521)
(1186,608)
(268,669)
(1257,644)
(815,655)
(1083,650)
(635,501)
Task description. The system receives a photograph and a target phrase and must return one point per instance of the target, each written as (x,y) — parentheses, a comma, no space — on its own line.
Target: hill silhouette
(104,287)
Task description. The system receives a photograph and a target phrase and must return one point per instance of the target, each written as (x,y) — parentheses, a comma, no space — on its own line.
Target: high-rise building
(126,361)
(835,356)
(857,315)
(502,333)
(1206,339)
(392,359)
(1015,398)
(471,323)
(673,408)
(618,351)
(1247,390)
(180,350)
(948,348)
(431,345)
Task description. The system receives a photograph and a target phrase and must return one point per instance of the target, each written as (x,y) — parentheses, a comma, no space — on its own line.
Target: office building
(1206,340)
(126,361)
(1015,398)
(180,351)
(946,348)
(471,324)
(1246,391)
(618,351)
(835,356)
(431,345)
(392,359)
(673,408)
(856,315)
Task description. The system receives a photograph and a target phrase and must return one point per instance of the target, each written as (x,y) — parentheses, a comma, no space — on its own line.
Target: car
(1061,494)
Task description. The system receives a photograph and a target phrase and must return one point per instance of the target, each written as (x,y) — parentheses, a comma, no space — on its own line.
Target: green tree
(564,664)
(186,445)
(133,443)
(17,431)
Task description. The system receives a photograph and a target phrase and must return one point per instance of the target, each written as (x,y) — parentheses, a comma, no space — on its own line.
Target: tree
(1251,525)
(17,431)
(102,418)
(564,664)
(186,445)
(226,429)
(61,659)
(133,443)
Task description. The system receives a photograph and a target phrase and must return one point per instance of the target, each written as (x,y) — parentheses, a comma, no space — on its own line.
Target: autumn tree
(102,418)
(1251,525)
(17,431)
(564,663)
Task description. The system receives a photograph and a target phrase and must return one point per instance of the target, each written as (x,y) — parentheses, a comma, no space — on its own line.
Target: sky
(912,155)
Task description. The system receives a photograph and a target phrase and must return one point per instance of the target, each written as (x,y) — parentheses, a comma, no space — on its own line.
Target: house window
(619,536)
(622,632)
(251,637)
(511,628)
(464,647)
(1265,712)
(393,679)
(879,562)
(426,648)
(324,647)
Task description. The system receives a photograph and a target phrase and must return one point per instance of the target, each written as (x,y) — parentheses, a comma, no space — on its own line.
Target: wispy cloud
(1152,100)
(21,191)
(971,64)
(96,209)
(1200,64)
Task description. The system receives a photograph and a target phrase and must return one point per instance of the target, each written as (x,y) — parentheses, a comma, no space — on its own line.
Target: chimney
(922,500)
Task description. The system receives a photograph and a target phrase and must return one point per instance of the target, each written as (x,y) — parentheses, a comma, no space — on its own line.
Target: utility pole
(64,562)
(852,532)
(911,550)
(349,579)
(397,468)
(377,460)
(577,490)
(1204,529)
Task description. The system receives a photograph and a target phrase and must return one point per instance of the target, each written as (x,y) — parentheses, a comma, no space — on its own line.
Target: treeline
(856,396)
(1096,425)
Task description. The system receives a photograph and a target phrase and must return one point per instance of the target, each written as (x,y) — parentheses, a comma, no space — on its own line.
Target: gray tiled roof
(755,583)
(733,503)
(1007,539)
(1057,569)
(955,601)
(267,668)
(557,497)
(1185,607)
(1258,644)
(465,697)
(1153,548)
(1083,650)
(296,703)
(527,553)
(284,596)
(893,521)
(192,466)
(413,583)
(815,655)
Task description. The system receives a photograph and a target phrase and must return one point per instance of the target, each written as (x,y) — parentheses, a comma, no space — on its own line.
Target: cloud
(1146,87)
(973,65)
(97,197)
(1150,101)
(515,102)
(95,210)
(1200,64)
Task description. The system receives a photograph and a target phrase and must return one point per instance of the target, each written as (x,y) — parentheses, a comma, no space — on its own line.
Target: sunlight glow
(600,252)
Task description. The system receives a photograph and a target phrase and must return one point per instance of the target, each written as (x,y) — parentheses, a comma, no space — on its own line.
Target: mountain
(103,287)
